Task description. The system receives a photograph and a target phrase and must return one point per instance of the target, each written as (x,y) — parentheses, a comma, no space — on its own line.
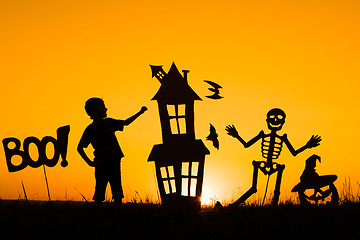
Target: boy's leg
(100,185)
(115,182)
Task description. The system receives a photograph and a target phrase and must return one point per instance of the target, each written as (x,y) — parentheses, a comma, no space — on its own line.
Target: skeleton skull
(275,119)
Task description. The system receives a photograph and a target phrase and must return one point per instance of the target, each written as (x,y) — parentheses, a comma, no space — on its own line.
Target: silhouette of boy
(107,152)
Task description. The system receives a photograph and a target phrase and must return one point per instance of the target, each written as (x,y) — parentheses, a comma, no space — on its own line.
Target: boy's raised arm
(135,116)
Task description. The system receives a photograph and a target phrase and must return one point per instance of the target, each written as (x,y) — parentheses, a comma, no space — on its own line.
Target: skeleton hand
(314,141)
(231,130)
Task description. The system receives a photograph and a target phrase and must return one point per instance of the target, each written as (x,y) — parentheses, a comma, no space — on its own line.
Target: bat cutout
(215,89)
(213,136)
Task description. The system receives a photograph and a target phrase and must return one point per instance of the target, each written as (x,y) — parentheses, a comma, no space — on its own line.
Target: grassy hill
(81,220)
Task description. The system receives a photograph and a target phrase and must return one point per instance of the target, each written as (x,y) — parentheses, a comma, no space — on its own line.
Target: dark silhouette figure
(179,160)
(271,147)
(215,89)
(101,134)
(213,136)
(311,180)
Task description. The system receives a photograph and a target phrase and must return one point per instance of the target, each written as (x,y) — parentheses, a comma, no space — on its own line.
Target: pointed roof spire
(158,72)
(174,88)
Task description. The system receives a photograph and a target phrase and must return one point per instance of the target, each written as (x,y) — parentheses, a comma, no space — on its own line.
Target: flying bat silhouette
(215,89)
(213,136)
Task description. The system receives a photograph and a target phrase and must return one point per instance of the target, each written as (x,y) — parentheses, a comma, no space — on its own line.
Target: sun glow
(208,199)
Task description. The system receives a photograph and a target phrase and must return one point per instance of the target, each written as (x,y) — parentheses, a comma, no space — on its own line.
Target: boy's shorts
(104,173)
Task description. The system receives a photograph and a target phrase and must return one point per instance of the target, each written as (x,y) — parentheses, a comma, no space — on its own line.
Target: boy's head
(95,108)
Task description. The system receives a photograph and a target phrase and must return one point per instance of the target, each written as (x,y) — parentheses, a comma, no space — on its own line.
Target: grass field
(81,220)
(139,219)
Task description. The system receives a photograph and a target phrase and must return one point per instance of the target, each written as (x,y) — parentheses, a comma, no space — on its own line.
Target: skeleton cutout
(271,147)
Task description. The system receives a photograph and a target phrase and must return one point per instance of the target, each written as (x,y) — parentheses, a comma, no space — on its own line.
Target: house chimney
(185,74)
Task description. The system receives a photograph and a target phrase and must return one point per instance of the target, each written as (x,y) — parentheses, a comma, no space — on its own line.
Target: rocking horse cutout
(271,147)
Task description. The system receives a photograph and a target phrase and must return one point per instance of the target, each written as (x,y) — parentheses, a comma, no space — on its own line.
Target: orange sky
(301,56)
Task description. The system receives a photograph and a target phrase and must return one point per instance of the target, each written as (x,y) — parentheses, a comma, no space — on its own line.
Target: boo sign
(60,149)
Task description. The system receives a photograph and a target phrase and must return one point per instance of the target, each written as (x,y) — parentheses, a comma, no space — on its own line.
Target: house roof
(175,89)
(178,151)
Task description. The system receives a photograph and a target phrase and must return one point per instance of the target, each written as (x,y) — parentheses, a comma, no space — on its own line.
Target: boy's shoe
(97,203)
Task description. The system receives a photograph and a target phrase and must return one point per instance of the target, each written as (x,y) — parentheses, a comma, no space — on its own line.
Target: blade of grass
(81,194)
(136,192)
(23,187)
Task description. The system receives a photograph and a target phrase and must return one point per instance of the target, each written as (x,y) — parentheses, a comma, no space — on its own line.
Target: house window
(189,176)
(168,179)
(177,118)
(160,75)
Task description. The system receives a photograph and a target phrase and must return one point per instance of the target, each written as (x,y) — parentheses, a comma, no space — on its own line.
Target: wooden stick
(267,184)
(47,185)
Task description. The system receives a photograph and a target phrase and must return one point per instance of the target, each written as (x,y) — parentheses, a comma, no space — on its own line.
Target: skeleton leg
(252,190)
(280,168)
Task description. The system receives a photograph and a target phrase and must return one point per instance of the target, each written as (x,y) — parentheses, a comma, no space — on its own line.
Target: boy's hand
(143,109)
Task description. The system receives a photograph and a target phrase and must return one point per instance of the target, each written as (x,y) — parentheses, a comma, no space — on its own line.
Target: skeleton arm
(313,142)
(231,130)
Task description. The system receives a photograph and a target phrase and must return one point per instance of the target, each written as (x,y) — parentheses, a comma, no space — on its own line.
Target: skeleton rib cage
(273,148)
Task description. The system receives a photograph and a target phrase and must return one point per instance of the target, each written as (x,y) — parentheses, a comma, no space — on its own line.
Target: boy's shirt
(102,137)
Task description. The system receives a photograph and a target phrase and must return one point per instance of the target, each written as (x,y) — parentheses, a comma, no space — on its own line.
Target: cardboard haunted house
(179,160)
